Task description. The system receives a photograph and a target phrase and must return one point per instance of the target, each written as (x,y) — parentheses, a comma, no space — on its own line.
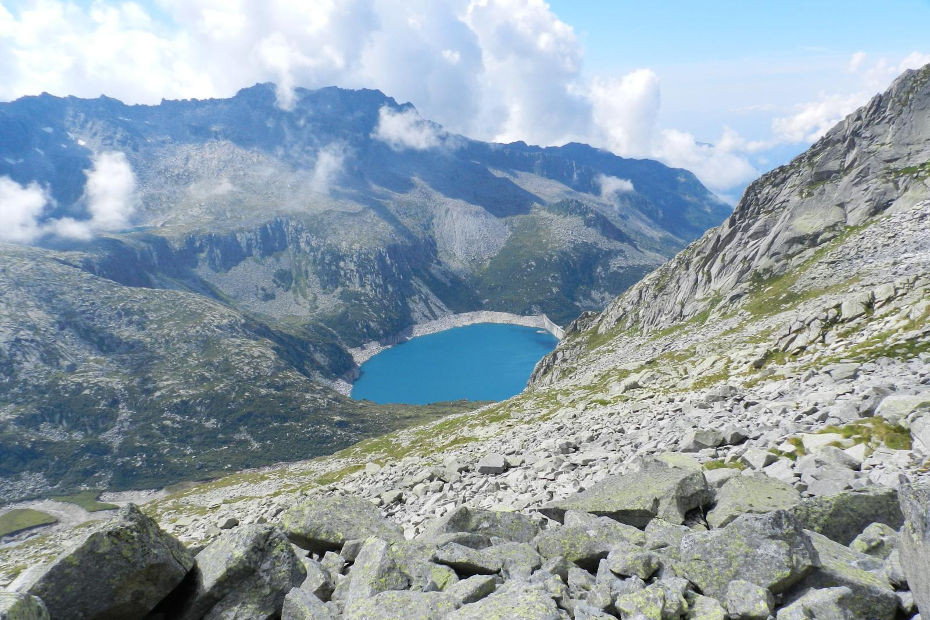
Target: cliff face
(873,163)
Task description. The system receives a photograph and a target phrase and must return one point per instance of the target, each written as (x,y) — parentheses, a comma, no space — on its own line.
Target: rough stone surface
(246,573)
(123,569)
(391,605)
(507,525)
(517,601)
(656,491)
(19,606)
(302,605)
(747,601)
(326,523)
(843,516)
(914,545)
(771,551)
(751,494)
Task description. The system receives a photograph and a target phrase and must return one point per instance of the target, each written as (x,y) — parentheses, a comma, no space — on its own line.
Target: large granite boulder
(121,569)
(770,550)
(507,525)
(751,494)
(302,605)
(375,571)
(914,544)
(840,566)
(395,604)
(513,601)
(843,516)
(827,604)
(657,490)
(326,523)
(20,606)
(243,574)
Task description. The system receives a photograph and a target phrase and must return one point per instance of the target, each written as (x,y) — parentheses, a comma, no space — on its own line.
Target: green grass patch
(875,432)
(721,464)
(21,519)
(88,500)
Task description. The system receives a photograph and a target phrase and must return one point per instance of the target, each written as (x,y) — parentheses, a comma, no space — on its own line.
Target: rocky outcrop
(915,543)
(122,569)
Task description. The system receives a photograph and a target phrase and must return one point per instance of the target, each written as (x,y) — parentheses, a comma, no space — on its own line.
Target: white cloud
(328,167)
(610,186)
(813,119)
(625,111)
(720,166)
(406,130)
(855,61)
(110,192)
(20,210)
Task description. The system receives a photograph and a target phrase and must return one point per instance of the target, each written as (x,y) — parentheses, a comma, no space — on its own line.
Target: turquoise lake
(487,361)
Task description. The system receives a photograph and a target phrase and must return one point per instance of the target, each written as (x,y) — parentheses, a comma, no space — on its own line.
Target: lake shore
(368,350)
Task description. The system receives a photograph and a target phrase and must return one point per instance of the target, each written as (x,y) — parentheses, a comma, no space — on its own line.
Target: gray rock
(827,604)
(646,603)
(302,605)
(841,566)
(227,523)
(576,544)
(507,525)
(770,550)
(318,582)
(243,574)
(757,458)
(374,571)
(751,494)
(705,608)
(512,601)
(472,589)
(122,568)
(409,605)
(518,560)
(492,464)
(697,440)
(604,526)
(414,558)
(662,534)
(747,601)
(877,540)
(896,407)
(843,516)
(914,544)
(326,523)
(630,562)
(717,477)
(467,561)
(20,606)
(636,498)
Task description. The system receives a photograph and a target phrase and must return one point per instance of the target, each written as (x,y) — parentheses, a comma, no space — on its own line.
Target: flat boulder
(751,494)
(512,526)
(243,574)
(914,543)
(657,490)
(326,523)
(843,516)
(121,569)
(513,601)
(769,550)
(407,604)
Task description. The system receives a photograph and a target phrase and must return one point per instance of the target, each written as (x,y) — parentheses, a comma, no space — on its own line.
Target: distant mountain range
(264,243)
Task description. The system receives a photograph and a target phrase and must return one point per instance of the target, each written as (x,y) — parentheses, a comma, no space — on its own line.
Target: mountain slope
(266,243)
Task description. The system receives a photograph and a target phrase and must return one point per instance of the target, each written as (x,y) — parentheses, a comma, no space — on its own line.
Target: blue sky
(727,89)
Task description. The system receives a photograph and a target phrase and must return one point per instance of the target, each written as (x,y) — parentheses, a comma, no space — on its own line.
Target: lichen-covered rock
(507,525)
(318,581)
(843,516)
(20,606)
(636,498)
(576,544)
(747,601)
(633,562)
(647,603)
(374,571)
(827,604)
(406,604)
(518,560)
(838,566)
(877,540)
(326,523)
(467,561)
(705,608)
(472,589)
(243,574)
(770,550)
(914,544)
(302,605)
(123,568)
(415,559)
(751,494)
(604,526)
(514,600)
(896,407)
